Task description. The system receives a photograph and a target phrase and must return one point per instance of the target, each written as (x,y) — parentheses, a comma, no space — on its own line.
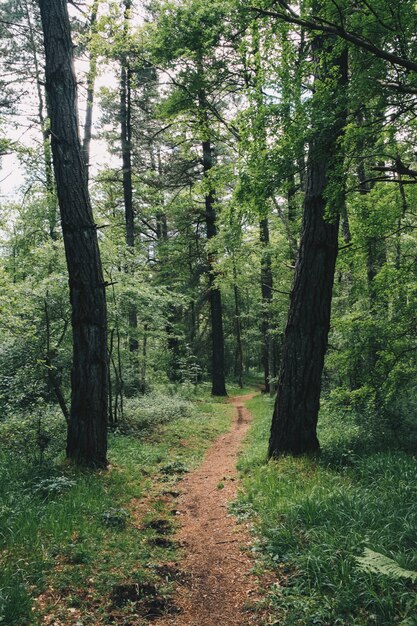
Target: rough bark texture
(296,409)
(87,429)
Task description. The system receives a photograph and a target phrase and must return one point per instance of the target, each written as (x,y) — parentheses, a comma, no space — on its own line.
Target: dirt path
(219,583)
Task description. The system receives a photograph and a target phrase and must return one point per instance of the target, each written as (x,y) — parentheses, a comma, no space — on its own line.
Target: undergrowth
(73,545)
(314,519)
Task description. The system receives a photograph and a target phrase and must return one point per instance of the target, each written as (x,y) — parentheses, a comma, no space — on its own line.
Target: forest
(208,313)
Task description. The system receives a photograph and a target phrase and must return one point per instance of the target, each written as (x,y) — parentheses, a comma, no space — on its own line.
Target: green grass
(313,520)
(67,537)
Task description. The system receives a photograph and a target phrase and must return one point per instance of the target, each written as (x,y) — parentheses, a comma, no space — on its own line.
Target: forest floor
(220,585)
(153,541)
(150,541)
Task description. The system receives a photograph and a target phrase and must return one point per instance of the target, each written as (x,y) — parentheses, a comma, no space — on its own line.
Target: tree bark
(126,142)
(376,257)
(292,217)
(217,336)
(266,290)
(91,79)
(238,326)
(259,137)
(294,422)
(43,118)
(87,429)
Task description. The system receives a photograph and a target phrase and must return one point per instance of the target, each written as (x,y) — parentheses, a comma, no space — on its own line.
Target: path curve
(220,584)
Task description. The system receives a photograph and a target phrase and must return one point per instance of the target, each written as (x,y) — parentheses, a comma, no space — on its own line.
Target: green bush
(38,435)
(146,412)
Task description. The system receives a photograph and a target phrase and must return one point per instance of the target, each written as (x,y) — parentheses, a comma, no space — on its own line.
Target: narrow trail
(219,585)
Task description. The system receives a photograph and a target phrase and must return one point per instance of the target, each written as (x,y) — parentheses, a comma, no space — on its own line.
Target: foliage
(153,409)
(38,436)
(377,563)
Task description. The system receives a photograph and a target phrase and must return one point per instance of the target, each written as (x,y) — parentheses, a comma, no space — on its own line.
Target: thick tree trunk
(87,429)
(296,409)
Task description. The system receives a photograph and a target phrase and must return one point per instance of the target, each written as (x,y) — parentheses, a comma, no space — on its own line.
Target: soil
(219,585)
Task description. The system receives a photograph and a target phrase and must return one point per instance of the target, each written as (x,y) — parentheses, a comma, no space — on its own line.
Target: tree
(192,49)
(126,145)
(402,23)
(87,429)
(297,404)
(91,79)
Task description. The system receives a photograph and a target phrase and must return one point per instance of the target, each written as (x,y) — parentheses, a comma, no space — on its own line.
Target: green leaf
(377,563)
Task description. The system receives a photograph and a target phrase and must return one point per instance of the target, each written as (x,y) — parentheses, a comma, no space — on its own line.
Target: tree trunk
(43,118)
(296,409)
(217,337)
(87,429)
(238,325)
(126,142)
(266,290)
(376,257)
(403,212)
(126,137)
(142,385)
(292,218)
(91,79)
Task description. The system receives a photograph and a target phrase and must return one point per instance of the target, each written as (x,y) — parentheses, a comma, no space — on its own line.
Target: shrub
(36,436)
(146,412)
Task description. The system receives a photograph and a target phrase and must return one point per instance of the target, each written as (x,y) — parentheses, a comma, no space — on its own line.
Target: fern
(378,563)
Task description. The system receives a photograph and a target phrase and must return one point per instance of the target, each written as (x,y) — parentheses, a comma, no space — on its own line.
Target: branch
(385,179)
(399,168)
(401,88)
(335,29)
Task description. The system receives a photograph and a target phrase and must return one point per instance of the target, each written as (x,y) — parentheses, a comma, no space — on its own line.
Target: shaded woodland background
(207,114)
